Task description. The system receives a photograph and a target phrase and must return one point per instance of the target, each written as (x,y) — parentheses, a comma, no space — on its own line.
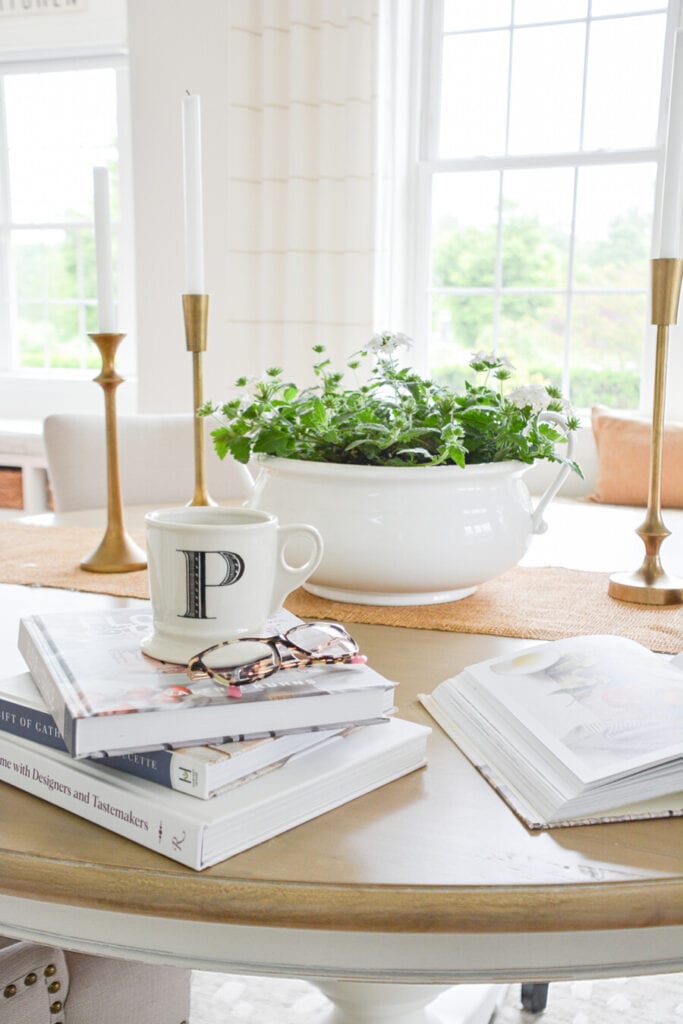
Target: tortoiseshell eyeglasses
(247,660)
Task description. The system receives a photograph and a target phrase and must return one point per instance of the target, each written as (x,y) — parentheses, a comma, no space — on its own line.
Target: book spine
(163,767)
(136,817)
(155,766)
(30,650)
(31,723)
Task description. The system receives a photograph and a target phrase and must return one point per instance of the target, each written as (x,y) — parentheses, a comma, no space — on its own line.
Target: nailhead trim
(56,1006)
(50,970)
(10,990)
(31,978)
(54,986)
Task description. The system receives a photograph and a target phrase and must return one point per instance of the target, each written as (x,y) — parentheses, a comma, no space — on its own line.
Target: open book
(575,731)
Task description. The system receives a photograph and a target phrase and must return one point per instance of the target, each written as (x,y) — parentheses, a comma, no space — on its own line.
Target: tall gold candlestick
(651,584)
(196,315)
(117,552)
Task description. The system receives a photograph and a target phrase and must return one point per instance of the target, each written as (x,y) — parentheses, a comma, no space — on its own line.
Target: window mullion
(570,287)
(538,161)
(6,354)
(616,16)
(566,355)
(80,307)
(498,267)
(423,304)
(432,75)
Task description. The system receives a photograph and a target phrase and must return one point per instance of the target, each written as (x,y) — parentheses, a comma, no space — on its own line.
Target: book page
(603,705)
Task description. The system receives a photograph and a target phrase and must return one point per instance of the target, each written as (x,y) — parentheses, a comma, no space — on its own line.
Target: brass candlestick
(196,314)
(117,552)
(651,584)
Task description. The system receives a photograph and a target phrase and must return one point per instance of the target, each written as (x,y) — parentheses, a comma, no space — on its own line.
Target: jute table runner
(538,603)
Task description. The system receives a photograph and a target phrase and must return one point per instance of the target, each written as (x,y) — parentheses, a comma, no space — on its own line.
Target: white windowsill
(33,395)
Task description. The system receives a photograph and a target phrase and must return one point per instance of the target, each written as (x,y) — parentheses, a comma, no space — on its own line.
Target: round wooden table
(427,882)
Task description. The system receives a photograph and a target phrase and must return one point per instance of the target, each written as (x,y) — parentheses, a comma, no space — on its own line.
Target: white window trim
(407,293)
(31,394)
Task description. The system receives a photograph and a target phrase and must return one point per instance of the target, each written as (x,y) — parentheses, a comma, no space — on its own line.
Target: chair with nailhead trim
(45,985)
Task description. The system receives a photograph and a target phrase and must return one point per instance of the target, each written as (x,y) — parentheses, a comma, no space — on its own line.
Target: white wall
(177,46)
(102,23)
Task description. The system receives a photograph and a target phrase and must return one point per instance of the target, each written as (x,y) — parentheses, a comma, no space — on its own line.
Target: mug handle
(538,523)
(289,577)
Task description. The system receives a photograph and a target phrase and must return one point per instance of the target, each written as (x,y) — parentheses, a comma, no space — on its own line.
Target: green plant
(393,418)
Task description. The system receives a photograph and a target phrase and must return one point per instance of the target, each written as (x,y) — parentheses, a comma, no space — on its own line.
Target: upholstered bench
(21,447)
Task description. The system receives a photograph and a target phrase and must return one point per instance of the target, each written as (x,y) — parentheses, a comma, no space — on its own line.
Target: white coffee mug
(218,573)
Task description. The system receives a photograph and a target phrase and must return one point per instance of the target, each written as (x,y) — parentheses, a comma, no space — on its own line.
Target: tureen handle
(538,523)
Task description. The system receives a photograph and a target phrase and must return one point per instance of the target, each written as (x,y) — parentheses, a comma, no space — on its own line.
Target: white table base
(365,1003)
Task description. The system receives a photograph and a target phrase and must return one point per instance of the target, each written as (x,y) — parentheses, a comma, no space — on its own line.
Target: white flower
(388,342)
(491,360)
(532,395)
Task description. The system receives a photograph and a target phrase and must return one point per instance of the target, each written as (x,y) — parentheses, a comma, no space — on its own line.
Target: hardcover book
(199,833)
(575,731)
(201,771)
(107,697)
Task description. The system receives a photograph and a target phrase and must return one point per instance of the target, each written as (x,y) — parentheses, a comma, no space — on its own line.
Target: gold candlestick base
(646,586)
(116,552)
(651,584)
(196,315)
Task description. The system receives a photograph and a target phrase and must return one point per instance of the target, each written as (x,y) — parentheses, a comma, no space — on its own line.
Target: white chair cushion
(156,462)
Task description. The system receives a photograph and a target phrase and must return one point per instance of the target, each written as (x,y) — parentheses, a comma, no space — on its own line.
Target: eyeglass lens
(236,658)
(326,638)
(244,661)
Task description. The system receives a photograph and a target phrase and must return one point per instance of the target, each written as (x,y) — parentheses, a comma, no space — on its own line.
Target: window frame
(33,393)
(426,55)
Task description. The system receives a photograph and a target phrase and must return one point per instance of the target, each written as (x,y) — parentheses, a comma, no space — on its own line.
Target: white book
(199,833)
(202,771)
(575,731)
(107,697)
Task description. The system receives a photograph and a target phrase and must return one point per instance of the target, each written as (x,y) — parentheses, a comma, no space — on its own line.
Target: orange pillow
(623,444)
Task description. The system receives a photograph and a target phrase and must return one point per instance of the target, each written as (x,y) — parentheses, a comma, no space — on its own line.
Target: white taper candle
(105,287)
(670,239)
(194,213)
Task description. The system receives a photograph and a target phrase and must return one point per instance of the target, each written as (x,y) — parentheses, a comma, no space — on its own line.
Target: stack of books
(98,728)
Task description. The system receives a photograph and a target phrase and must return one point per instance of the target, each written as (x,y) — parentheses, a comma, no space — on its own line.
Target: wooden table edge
(187,895)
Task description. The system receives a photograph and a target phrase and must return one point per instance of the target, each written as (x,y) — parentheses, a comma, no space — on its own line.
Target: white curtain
(303,176)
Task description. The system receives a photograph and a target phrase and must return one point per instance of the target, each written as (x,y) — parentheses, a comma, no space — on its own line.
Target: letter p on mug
(218,573)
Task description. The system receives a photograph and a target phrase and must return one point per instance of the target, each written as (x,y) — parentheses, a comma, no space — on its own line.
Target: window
(539,166)
(57,121)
